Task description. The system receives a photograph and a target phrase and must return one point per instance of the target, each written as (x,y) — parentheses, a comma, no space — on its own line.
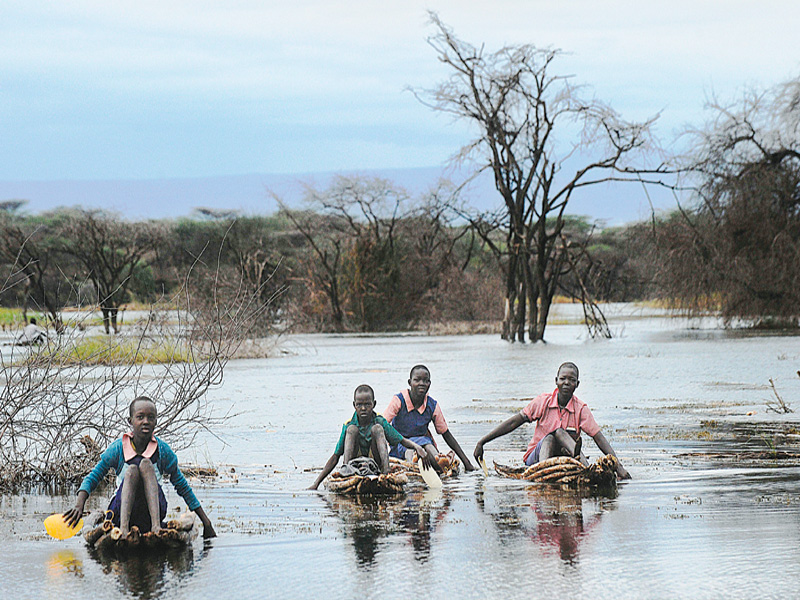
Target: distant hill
(170,198)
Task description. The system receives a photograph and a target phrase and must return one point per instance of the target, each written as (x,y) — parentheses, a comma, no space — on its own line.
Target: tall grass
(11,318)
(113,351)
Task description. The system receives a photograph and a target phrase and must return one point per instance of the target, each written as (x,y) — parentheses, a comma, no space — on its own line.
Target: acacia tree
(530,123)
(741,245)
(110,252)
(29,249)
(377,254)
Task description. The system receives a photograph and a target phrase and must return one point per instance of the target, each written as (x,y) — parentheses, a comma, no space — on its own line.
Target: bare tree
(59,408)
(378,253)
(740,246)
(531,124)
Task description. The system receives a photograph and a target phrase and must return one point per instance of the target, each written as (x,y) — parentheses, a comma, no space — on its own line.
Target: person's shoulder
(163,446)
(542,398)
(115,446)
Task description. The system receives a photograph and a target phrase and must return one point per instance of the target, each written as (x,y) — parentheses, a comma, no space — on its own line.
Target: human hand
(208,531)
(73,515)
(426,459)
(478,453)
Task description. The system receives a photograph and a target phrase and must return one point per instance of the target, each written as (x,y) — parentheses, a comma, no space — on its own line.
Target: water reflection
(367,520)
(146,574)
(555,519)
(419,517)
(370,520)
(64,563)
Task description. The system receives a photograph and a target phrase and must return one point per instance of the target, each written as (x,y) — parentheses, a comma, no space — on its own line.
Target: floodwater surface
(681,404)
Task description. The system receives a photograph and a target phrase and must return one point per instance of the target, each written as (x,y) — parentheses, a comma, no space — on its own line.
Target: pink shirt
(394,407)
(548,416)
(128,451)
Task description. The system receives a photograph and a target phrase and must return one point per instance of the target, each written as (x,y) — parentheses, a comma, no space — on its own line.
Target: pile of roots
(393,482)
(448,463)
(179,532)
(565,470)
(376,485)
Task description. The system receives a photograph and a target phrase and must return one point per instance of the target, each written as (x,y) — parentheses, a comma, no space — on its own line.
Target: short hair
(364,388)
(139,399)
(569,364)
(33,321)
(416,367)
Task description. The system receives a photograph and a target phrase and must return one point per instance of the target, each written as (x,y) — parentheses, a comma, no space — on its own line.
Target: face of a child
(420,383)
(143,419)
(566,382)
(364,403)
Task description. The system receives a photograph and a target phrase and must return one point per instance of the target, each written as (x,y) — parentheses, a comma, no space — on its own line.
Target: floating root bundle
(179,532)
(448,463)
(566,470)
(383,484)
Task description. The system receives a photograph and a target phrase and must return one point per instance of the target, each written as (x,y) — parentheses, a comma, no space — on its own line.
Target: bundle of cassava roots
(566,470)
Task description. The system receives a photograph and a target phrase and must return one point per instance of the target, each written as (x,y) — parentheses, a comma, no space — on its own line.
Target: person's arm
(505,427)
(108,459)
(450,440)
(606,448)
(168,465)
(208,529)
(426,458)
(326,470)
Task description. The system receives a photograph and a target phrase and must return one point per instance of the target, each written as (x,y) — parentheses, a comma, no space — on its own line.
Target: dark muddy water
(674,402)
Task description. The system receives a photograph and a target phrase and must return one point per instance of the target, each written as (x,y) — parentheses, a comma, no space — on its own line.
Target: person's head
(567,380)
(364,400)
(419,381)
(33,320)
(142,416)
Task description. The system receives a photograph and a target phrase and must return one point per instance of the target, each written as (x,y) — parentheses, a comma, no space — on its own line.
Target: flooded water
(678,401)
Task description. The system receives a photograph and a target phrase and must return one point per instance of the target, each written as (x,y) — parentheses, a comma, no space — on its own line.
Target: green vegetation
(111,351)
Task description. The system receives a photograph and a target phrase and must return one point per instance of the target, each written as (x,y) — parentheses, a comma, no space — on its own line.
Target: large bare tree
(533,128)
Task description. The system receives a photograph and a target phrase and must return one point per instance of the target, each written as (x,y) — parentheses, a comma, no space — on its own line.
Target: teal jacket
(167,464)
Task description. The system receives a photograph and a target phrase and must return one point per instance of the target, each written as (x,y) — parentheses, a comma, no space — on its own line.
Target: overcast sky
(178,88)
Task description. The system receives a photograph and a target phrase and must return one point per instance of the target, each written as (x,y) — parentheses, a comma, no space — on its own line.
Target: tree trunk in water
(522,302)
(508,329)
(104,310)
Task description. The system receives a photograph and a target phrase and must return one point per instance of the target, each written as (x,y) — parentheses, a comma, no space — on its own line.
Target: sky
(97,90)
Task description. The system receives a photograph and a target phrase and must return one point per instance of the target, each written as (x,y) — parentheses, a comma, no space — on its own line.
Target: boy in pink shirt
(560,418)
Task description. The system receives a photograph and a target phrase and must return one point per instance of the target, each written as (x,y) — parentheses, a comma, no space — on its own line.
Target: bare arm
(606,448)
(505,427)
(450,440)
(208,528)
(326,470)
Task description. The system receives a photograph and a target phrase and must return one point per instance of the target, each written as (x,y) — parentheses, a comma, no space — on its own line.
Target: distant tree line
(362,255)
